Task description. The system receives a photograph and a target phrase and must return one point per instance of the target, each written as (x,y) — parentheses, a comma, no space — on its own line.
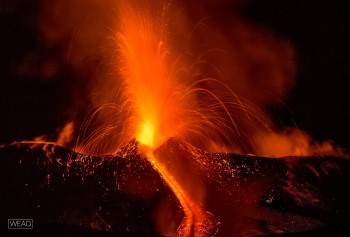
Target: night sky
(37,84)
(320,33)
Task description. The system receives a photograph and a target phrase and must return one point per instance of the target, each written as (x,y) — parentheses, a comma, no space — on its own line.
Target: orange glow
(292,142)
(146,135)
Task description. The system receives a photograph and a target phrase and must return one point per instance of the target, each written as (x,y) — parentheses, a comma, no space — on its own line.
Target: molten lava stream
(193,222)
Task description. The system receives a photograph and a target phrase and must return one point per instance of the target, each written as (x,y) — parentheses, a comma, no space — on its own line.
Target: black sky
(31,104)
(320,34)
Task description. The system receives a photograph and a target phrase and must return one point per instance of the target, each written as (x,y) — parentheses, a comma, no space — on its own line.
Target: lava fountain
(159,97)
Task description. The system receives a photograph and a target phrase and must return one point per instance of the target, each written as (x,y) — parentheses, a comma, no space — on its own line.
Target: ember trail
(155,96)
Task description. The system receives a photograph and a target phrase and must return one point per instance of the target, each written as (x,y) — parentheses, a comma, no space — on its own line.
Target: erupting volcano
(173,135)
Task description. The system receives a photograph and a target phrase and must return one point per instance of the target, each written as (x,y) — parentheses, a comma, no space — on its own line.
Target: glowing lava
(147,134)
(151,85)
(196,222)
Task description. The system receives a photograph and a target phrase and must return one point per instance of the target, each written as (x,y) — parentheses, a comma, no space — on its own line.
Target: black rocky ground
(69,194)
